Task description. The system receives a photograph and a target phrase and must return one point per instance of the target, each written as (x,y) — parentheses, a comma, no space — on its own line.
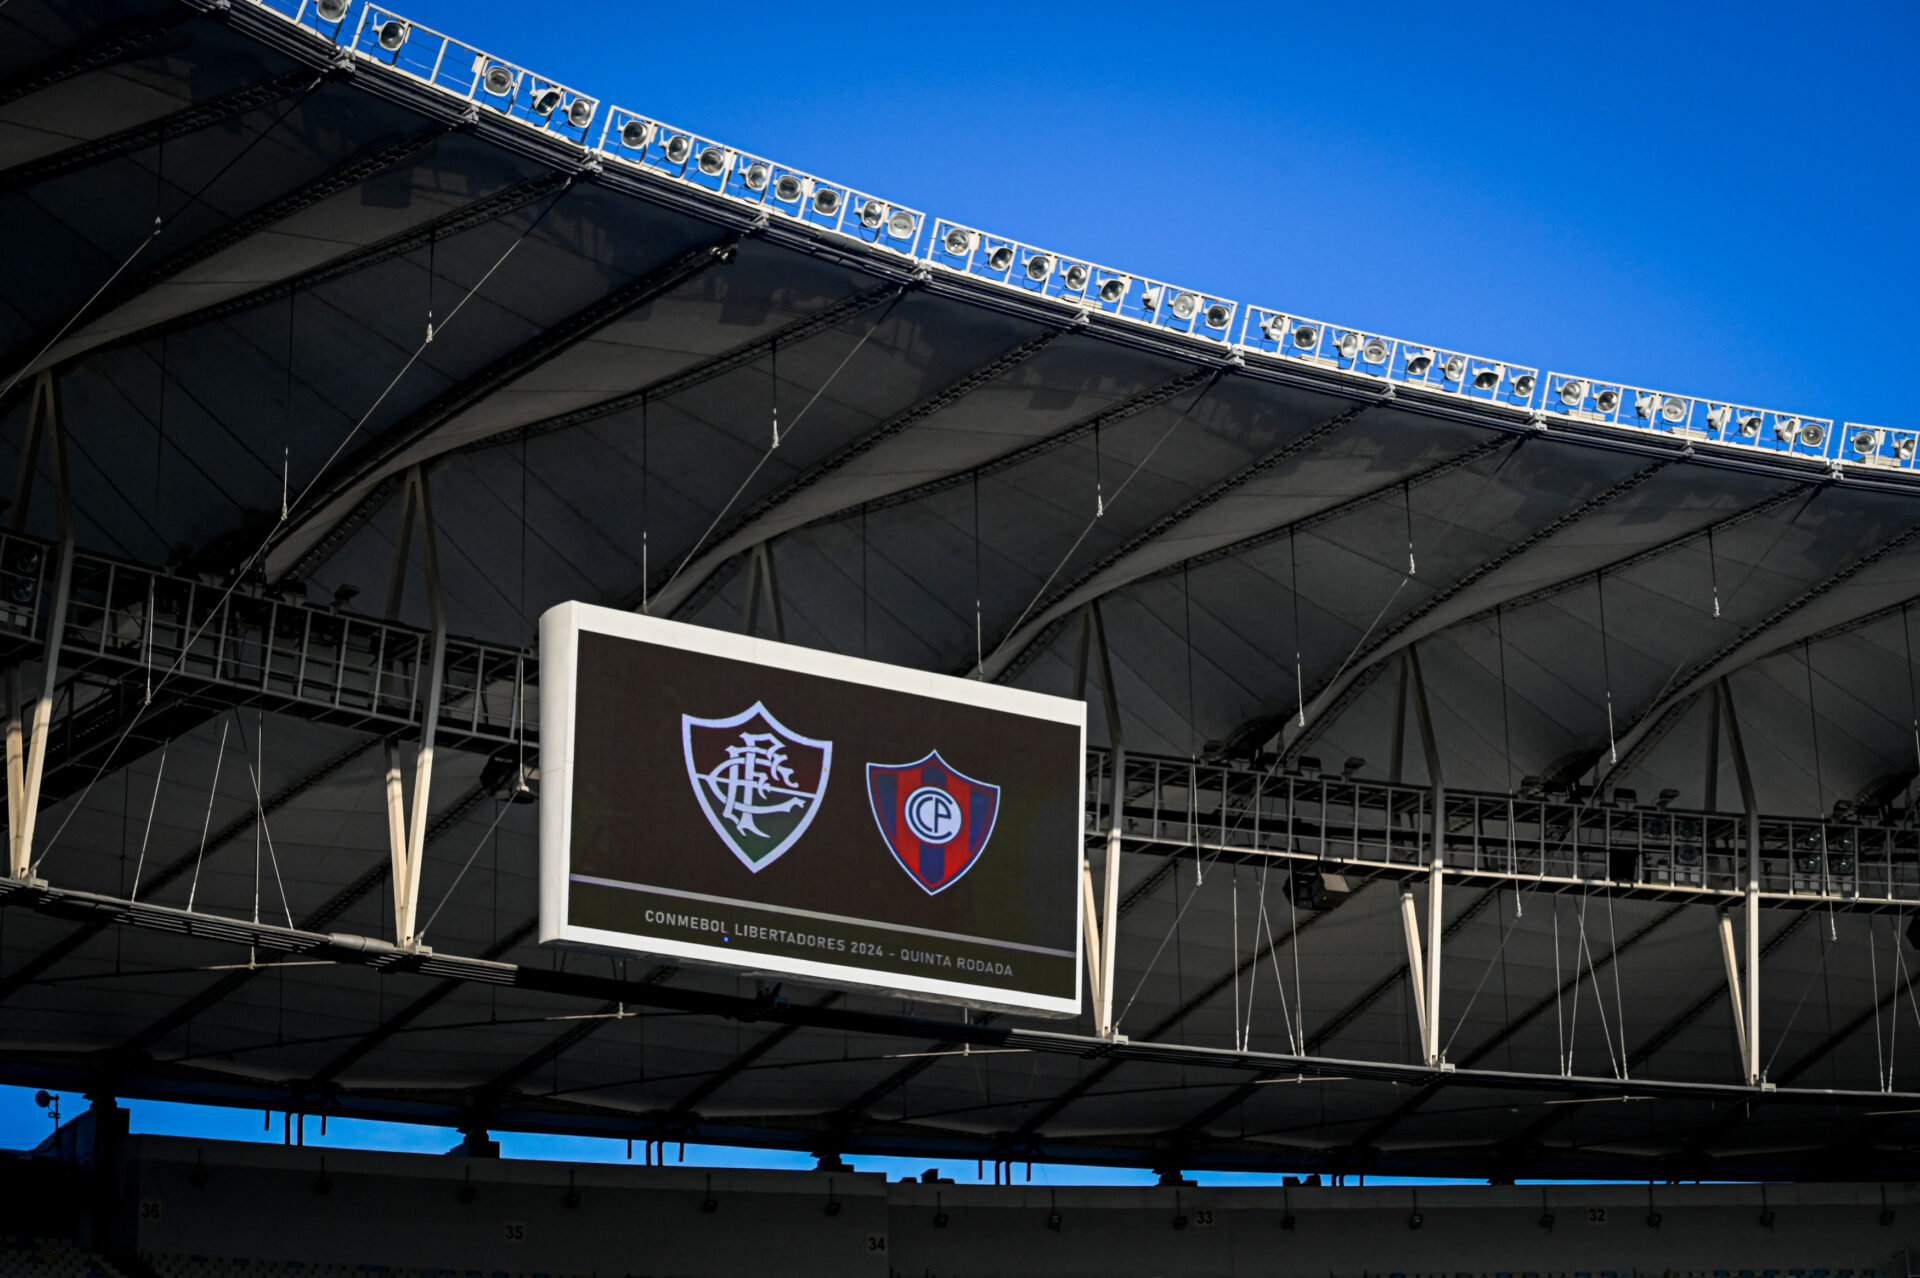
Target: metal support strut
(1437,867)
(407,828)
(1103,939)
(1749,1032)
(27,745)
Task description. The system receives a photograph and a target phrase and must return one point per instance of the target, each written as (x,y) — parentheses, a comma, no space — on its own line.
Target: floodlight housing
(1813,434)
(1454,369)
(713,161)
(546,101)
(1114,289)
(1675,410)
(1903,447)
(1719,417)
(1375,351)
(1607,400)
(1486,378)
(394,33)
(1750,425)
(873,215)
(1348,344)
(1573,393)
(678,148)
(900,224)
(826,201)
(1786,429)
(1418,362)
(788,188)
(498,80)
(1523,386)
(331,10)
(958,242)
(1000,257)
(1306,336)
(757,176)
(1077,276)
(1039,267)
(580,113)
(1185,306)
(1274,328)
(1218,315)
(634,134)
(1866,442)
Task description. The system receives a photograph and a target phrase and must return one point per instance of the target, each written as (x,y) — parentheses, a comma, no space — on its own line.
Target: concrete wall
(261,1202)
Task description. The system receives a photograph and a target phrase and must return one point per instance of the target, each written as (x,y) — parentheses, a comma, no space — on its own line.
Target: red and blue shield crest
(936,820)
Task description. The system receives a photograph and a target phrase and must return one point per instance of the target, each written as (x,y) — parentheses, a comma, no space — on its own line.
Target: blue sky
(1711,200)
(1707,199)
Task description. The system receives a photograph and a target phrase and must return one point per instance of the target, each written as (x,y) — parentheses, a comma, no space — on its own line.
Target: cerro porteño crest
(759,782)
(936,820)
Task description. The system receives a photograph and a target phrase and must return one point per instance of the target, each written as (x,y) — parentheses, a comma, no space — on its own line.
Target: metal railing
(1558,842)
(245,645)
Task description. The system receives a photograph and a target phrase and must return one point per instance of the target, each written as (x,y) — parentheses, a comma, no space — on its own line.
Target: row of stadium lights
(725,171)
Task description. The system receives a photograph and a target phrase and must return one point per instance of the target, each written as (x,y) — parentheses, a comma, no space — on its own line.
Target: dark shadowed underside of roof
(960,472)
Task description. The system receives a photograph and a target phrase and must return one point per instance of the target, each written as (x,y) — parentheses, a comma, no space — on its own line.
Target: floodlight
(499,82)
(1486,378)
(1218,314)
(580,113)
(788,189)
(756,176)
(1865,442)
(873,214)
(1374,352)
(331,10)
(1675,409)
(1348,345)
(1454,369)
(634,133)
(713,161)
(546,100)
(1523,386)
(1787,429)
(393,35)
(959,242)
(1607,400)
(1150,299)
(1306,337)
(1645,406)
(1813,434)
(1039,266)
(1418,362)
(1750,426)
(1077,277)
(1719,417)
(1000,258)
(1274,327)
(679,147)
(826,201)
(1185,305)
(1903,446)
(1114,289)
(1573,393)
(900,224)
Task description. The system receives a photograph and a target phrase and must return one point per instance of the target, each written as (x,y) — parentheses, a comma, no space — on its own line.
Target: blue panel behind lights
(630,138)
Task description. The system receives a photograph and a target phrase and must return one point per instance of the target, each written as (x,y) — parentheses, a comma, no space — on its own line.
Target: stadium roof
(272,265)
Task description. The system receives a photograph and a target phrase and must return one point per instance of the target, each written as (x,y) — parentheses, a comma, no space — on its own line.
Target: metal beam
(106,46)
(1011,647)
(464,218)
(719,1078)
(503,1083)
(1386,640)
(229,232)
(189,119)
(412,1012)
(675,585)
(823,320)
(1717,663)
(303,543)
